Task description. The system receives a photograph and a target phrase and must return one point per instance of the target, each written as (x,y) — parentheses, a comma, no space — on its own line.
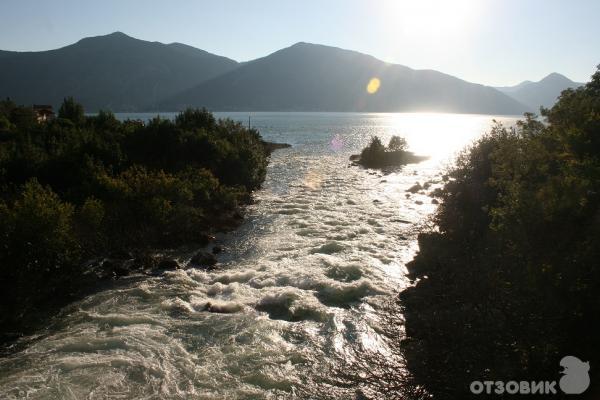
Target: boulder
(168,264)
(204,260)
(205,238)
(217,249)
(115,268)
(415,188)
(145,262)
(121,255)
(437,192)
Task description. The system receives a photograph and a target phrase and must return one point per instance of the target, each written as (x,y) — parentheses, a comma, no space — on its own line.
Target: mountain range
(115,72)
(120,73)
(543,93)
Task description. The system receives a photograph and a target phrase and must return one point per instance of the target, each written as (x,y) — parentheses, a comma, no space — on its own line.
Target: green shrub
(72,111)
(39,257)
(374,152)
(397,143)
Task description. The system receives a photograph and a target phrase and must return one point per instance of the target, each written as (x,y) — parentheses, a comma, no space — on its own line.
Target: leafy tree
(5,125)
(39,256)
(374,152)
(72,111)
(195,119)
(397,143)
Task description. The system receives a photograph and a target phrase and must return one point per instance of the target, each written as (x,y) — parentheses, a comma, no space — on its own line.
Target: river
(302,281)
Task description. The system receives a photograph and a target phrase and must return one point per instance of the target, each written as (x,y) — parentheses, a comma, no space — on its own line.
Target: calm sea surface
(302,282)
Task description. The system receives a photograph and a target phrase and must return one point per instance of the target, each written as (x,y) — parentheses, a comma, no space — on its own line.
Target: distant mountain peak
(113,35)
(524,83)
(555,76)
(541,93)
(118,34)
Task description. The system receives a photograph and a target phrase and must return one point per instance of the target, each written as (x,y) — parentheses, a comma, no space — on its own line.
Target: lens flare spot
(373,85)
(337,143)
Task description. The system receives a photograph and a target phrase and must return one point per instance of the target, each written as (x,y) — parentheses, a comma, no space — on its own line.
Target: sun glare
(428,19)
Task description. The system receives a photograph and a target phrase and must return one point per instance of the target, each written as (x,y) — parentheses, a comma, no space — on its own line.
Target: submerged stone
(415,188)
(204,260)
(168,263)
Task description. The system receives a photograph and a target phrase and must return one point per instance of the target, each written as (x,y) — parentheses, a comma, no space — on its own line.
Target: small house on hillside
(43,112)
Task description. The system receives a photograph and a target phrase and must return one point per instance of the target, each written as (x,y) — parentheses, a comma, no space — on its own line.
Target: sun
(430,19)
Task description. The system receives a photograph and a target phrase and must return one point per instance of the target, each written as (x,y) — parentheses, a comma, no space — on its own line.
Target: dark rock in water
(360,395)
(217,249)
(121,255)
(419,202)
(437,192)
(168,263)
(146,261)
(435,201)
(238,215)
(205,238)
(415,188)
(388,159)
(204,260)
(115,268)
(222,308)
(271,147)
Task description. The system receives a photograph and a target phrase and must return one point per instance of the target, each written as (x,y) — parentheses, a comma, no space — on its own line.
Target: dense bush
(508,282)
(77,187)
(40,253)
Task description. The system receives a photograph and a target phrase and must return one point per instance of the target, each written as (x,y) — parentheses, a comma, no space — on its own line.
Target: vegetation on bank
(78,187)
(507,283)
(377,155)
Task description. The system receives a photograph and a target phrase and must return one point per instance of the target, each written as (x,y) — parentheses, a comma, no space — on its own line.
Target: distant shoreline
(121,115)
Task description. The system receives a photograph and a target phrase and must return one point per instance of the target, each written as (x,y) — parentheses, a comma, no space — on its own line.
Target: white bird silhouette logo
(576,378)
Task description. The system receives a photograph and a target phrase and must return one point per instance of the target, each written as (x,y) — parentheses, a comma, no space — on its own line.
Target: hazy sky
(495,42)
